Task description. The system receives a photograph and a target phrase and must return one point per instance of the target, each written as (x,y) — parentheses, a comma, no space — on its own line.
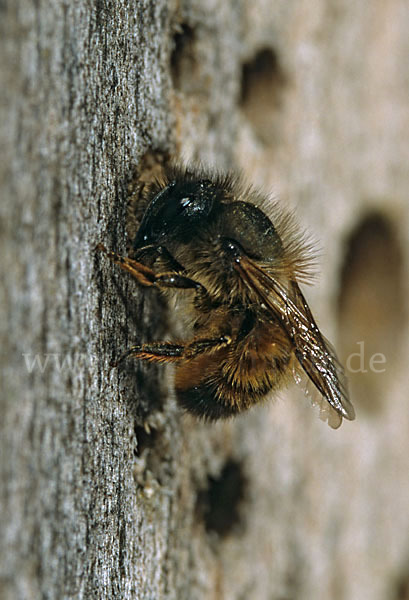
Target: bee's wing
(314,353)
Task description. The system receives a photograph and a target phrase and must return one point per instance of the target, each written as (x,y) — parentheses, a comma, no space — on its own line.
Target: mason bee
(207,239)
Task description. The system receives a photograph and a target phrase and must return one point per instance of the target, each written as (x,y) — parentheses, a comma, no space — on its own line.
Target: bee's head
(176,211)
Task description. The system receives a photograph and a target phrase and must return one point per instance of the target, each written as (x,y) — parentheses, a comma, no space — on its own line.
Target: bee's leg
(202,299)
(174,280)
(169,352)
(202,345)
(143,274)
(147,277)
(155,352)
(153,252)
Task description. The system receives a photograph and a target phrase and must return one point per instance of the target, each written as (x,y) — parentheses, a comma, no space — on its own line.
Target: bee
(207,239)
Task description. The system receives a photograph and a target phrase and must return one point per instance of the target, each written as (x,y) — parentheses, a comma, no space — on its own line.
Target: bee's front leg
(153,252)
(202,300)
(143,274)
(147,277)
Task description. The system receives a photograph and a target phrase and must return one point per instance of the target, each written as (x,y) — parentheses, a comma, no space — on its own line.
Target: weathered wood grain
(275,504)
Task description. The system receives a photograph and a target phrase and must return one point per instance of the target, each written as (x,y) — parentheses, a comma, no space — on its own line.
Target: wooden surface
(107,491)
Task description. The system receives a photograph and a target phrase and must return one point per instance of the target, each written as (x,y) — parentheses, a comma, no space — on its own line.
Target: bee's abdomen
(203,402)
(221,386)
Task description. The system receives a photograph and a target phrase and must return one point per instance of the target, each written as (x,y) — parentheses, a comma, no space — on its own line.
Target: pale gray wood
(86,89)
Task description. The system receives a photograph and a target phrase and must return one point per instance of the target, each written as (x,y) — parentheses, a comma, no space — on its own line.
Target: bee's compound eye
(249,231)
(232,248)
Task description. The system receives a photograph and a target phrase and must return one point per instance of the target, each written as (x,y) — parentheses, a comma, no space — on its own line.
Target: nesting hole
(401,591)
(183,63)
(146,440)
(371,311)
(152,455)
(219,504)
(262,85)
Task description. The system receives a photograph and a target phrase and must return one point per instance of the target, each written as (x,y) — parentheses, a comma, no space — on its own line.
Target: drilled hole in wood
(262,86)
(219,504)
(145,439)
(401,591)
(371,311)
(183,64)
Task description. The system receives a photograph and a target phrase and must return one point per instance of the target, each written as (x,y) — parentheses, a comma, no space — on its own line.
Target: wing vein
(314,353)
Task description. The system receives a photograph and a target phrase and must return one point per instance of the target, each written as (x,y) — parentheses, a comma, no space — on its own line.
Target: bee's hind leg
(170,352)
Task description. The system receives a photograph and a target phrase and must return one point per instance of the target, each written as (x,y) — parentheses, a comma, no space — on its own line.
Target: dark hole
(219,504)
(144,439)
(401,586)
(371,311)
(182,60)
(402,589)
(262,87)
